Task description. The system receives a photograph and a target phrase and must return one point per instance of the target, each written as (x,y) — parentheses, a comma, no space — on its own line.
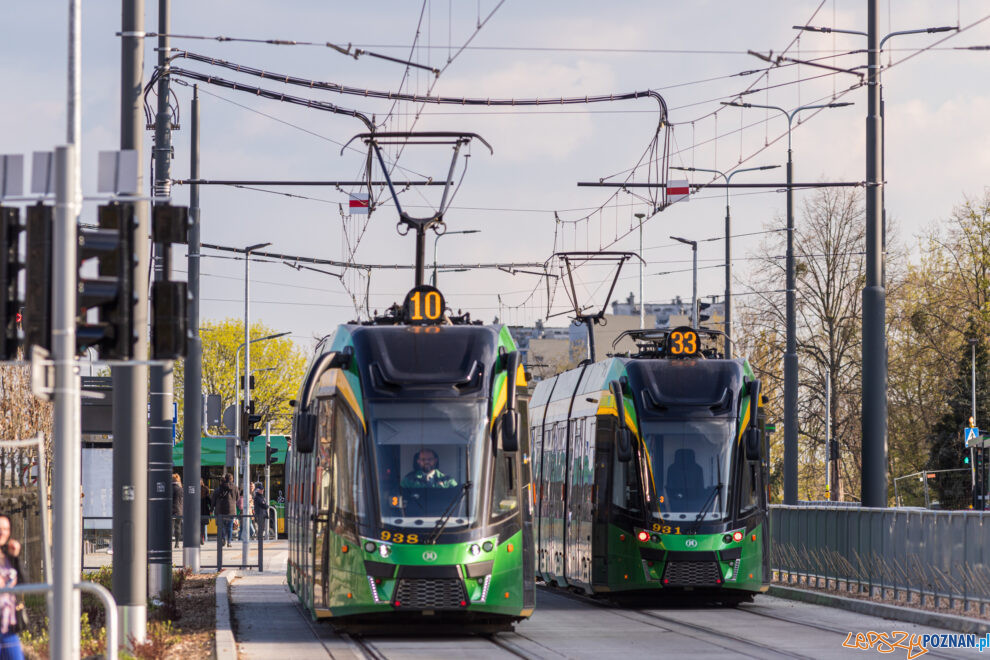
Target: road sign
(970,434)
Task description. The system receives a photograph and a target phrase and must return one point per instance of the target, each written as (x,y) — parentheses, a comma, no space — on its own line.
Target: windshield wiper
(711,498)
(442,521)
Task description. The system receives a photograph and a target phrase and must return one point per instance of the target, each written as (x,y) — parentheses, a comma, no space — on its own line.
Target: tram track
(735,644)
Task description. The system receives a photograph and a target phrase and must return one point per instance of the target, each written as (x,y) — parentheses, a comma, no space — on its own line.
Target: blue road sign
(971,433)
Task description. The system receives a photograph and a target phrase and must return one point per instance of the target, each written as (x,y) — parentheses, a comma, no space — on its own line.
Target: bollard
(221,518)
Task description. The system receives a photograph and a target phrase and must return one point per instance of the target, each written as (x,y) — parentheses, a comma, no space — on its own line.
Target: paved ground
(207,556)
(269,624)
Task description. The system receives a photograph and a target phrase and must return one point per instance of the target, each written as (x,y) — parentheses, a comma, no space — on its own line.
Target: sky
(524,197)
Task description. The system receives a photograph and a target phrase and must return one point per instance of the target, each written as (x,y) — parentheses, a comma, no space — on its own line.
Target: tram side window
(625,481)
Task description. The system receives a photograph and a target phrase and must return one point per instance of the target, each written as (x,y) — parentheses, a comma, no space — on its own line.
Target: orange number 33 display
(682,342)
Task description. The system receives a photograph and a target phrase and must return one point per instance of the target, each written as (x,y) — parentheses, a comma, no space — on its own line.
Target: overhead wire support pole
(193,381)
(130,383)
(790,354)
(161,380)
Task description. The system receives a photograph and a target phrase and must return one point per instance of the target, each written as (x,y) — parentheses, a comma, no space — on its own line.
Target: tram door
(578,519)
(321,519)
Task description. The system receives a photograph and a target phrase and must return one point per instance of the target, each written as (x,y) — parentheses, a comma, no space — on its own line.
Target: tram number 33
(424,305)
(399,537)
(683,342)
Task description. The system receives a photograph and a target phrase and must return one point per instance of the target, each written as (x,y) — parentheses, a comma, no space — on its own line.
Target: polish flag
(358,204)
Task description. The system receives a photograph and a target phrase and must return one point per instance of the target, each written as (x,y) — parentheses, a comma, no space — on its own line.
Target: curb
(897,612)
(226,645)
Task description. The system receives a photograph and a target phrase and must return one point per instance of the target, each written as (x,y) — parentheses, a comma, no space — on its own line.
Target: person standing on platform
(260,511)
(177,509)
(205,509)
(224,504)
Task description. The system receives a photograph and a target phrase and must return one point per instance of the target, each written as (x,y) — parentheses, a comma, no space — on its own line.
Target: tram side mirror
(751,438)
(510,420)
(623,447)
(305,432)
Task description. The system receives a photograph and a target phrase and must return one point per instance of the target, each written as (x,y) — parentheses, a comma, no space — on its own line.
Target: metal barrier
(109,604)
(898,552)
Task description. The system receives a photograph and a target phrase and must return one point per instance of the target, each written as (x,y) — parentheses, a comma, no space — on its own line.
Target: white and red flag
(358,204)
(677,191)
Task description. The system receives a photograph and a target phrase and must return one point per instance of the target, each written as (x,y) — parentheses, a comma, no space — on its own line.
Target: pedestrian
(205,509)
(260,510)
(177,509)
(246,505)
(10,575)
(224,499)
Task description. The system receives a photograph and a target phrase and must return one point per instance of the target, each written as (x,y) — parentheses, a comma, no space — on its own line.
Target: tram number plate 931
(399,537)
(666,529)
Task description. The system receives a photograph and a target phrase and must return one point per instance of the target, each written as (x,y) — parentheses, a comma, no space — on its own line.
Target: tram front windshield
(427,452)
(689,468)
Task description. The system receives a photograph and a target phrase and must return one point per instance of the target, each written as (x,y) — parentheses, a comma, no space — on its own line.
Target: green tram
(669,495)
(409,497)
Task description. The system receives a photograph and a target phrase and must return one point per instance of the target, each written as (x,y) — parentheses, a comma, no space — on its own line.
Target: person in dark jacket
(205,509)
(260,511)
(225,504)
(177,509)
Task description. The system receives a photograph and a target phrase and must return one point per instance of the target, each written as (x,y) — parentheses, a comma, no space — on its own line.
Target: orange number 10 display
(424,306)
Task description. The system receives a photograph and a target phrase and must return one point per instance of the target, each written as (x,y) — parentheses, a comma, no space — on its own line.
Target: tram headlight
(384,550)
(369,546)
(737,536)
(487,546)
(475,549)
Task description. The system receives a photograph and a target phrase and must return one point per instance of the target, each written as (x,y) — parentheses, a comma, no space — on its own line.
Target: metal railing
(105,597)
(936,555)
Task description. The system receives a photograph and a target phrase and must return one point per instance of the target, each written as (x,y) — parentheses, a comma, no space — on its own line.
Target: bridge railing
(903,553)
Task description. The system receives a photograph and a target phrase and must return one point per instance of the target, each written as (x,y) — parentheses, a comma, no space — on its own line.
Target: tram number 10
(399,537)
(424,305)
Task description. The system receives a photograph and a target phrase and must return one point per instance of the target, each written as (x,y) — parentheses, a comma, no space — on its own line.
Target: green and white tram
(667,490)
(409,495)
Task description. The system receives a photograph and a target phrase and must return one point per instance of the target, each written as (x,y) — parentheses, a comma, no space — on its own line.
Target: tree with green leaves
(278,366)
(946,437)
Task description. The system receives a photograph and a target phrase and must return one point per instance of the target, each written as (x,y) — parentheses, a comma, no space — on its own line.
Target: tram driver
(426,473)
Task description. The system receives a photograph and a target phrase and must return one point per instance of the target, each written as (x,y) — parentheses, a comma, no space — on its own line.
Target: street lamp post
(237,386)
(874,400)
(790,354)
(728,243)
(694,286)
(979,505)
(642,301)
(435,240)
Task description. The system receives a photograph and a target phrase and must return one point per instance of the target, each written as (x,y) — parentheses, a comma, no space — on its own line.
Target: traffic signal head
(112,291)
(169,327)
(10,265)
(248,422)
(271,458)
(38,279)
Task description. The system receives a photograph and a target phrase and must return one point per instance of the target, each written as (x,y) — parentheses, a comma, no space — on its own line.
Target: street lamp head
(811,28)
(736,104)
(640,216)
(768,167)
(684,169)
(252,248)
(839,105)
(945,28)
(685,241)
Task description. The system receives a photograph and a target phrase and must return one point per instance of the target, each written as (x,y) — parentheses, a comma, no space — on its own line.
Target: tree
(829,238)
(278,367)
(945,438)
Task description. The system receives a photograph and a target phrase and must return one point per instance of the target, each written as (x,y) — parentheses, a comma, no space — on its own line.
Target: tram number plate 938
(399,537)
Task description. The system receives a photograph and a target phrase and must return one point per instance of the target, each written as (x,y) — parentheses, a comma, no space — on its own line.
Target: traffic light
(112,291)
(271,458)
(10,264)
(37,321)
(248,431)
(703,315)
(169,326)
